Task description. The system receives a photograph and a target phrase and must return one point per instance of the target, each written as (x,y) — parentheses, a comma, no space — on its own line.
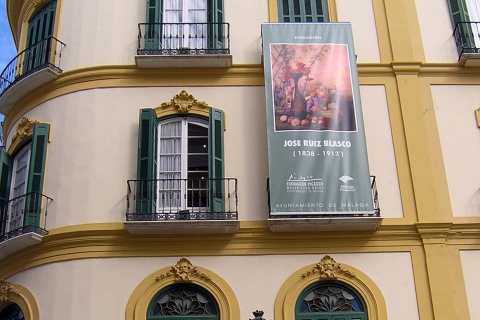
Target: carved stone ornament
(183,271)
(24,129)
(6,289)
(183,102)
(36,3)
(328,268)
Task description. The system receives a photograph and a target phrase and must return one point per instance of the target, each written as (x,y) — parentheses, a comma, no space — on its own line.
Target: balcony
(23,222)
(188,206)
(326,222)
(30,69)
(467,39)
(179,45)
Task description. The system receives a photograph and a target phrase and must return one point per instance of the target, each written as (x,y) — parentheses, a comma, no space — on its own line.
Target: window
(183,301)
(302,11)
(330,300)
(183,163)
(184,24)
(21,183)
(180,164)
(12,312)
(40,31)
(465,18)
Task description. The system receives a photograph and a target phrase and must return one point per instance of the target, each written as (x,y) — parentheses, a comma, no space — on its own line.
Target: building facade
(133,181)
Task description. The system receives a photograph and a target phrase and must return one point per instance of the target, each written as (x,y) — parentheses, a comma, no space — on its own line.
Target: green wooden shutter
(216,31)
(6,162)
(216,165)
(302,11)
(36,174)
(459,14)
(146,165)
(153,29)
(40,28)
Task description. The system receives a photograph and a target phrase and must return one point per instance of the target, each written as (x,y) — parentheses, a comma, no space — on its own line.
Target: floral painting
(312,87)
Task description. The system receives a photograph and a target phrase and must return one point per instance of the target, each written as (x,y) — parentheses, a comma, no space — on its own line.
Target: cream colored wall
(99,32)
(64,288)
(93,148)
(470,261)
(460,139)
(437,31)
(360,14)
(245,37)
(106,33)
(381,156)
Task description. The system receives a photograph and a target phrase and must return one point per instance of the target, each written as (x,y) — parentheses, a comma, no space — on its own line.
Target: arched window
(40,30)
(328,290)
(183,291)
(180,169)
(330,300)
(183,301)
(12,312)
(16,303)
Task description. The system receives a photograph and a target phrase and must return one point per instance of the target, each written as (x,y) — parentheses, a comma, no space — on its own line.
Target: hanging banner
(316,142)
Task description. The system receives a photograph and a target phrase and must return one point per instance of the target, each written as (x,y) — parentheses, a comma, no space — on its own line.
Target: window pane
(198,162)
(198,145)
(296,7)
(308,7)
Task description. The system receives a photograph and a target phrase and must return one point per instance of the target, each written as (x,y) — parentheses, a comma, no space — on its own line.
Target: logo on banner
(346,186)
(303,184)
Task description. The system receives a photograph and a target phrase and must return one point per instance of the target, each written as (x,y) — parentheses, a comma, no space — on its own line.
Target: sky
(7,46)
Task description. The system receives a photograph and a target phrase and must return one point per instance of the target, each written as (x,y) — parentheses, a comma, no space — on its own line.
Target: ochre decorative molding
(183,271)
(6,289)
(24,130)
(36,3)
(183,102)
(328,268)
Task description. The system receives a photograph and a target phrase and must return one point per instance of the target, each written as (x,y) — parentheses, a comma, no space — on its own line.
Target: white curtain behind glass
(473,7)
(183,33)
(170,165)
(19,188)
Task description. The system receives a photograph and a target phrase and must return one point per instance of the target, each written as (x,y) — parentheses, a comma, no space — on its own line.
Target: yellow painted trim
(381,24)
(144,293)
(253,238)
(404,31)
(24,299)
(301,279)
(129,76)
(422,286)
(477,116)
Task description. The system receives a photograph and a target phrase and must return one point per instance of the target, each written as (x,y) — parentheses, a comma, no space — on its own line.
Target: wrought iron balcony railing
(43,54)
(182,199)
(23,214)
(376,205)
(183,38)
(467,37)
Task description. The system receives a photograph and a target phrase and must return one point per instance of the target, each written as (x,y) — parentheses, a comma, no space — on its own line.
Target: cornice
(406,68)
(14,8)
(115,76)
(254,238)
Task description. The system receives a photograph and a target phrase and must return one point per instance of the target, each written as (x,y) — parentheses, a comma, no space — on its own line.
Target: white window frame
(189,11)
(18,188)
(177,195)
